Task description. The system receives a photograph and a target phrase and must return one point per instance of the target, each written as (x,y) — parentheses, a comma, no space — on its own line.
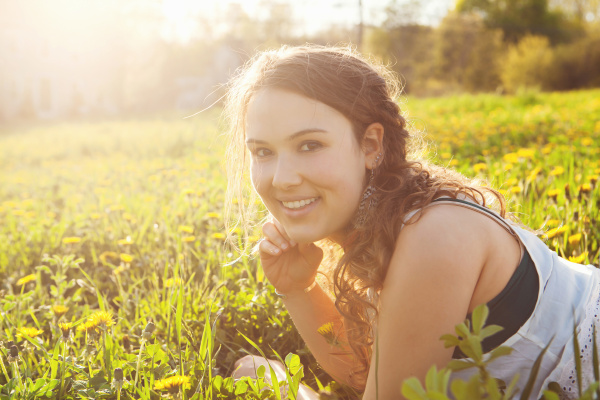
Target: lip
(299,212)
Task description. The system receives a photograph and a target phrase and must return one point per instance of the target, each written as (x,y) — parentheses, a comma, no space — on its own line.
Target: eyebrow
(291,137)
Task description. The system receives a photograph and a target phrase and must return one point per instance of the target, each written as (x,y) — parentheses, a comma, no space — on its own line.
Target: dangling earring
(368,200)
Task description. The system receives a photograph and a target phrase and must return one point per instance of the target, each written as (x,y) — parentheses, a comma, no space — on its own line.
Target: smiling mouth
(294,205)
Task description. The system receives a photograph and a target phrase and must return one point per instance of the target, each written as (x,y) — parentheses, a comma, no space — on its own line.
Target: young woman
(420,249)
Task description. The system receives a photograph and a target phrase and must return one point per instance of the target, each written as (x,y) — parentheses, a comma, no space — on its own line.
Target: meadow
(115,278)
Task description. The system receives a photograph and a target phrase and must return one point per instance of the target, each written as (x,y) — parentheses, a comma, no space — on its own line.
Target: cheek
(259,177)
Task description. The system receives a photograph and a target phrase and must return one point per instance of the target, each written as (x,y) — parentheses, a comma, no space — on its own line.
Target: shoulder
(446,233)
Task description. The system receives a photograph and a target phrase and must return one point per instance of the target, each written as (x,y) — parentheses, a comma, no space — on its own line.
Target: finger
(281,229)
(267,247)
(275,236)
(312,253)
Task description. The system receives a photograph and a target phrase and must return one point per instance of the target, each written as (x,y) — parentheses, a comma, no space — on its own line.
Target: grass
(125,218)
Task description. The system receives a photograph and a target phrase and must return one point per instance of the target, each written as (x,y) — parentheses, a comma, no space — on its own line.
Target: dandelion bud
(567,192)
(148,330)
(118,379)
(126,343)
(13,354)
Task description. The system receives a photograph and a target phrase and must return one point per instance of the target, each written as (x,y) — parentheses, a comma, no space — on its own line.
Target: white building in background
(58,59)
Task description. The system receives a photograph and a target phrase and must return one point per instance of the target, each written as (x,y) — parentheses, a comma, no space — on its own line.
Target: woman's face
(307,166)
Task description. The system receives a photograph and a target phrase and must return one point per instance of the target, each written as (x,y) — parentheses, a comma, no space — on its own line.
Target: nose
(287,173)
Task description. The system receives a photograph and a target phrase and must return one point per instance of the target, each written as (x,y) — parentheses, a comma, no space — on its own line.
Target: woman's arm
(428,290)
(309,312)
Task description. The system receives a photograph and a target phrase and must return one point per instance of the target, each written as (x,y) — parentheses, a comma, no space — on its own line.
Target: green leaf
(459,365)
(412,389)
(293,363)
(430,379)
(260,371)
(217,382)
(499,352)
(450,340)
(478,317)
(549,395)
(490,330)
(241,387)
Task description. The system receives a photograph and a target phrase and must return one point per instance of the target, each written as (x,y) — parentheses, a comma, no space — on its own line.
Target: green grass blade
(535,369)
(576,355)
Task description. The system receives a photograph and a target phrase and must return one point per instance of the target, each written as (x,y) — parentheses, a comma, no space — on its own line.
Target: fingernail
(292,243)
(275,251)
(284,246)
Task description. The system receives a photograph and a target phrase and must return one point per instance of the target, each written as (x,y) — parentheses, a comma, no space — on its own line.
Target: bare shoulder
(446,232)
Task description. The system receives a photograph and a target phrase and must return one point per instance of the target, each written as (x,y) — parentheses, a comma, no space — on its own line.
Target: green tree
(466,53)
(518,18)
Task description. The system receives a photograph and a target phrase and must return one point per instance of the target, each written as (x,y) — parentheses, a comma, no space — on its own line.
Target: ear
(373,144)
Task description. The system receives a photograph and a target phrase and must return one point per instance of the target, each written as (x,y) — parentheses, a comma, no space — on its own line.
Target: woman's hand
(289,266)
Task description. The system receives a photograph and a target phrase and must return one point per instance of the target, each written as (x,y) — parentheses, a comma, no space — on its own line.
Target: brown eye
(310,146)
(261,152)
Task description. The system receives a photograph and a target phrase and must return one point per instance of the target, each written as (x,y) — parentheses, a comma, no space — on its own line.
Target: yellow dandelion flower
(508,166)
(574,239)
(31,332)
(446,156)
(546,150)
(95,216)
(218,235)
(127,258)
(453,162)
(119,270)
(96,321)
(65,328)
(584,188)
(593,178)
(173,282)
(511,182)
(479,167)
(526,153)
(71,239)
(125,241)
(327,331)
(213,215)
(557,171)
(533,174)
(172,383)
(26,279)
(555,232)
(552,223)
(587,141)
(86,327)
(189,239)
(511,158)
(108,256)
(516,189)
(186,229)
(553,193)
(59,310)
(579,259)
(187,192)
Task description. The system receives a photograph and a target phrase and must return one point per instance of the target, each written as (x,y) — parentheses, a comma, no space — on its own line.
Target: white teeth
(299,203)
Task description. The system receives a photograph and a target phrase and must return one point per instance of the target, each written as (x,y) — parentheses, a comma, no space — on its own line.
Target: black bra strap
(479,208)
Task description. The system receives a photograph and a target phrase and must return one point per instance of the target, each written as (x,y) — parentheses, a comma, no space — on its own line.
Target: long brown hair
(364,92)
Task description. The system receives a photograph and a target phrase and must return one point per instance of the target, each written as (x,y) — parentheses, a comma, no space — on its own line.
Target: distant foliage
(528,64)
